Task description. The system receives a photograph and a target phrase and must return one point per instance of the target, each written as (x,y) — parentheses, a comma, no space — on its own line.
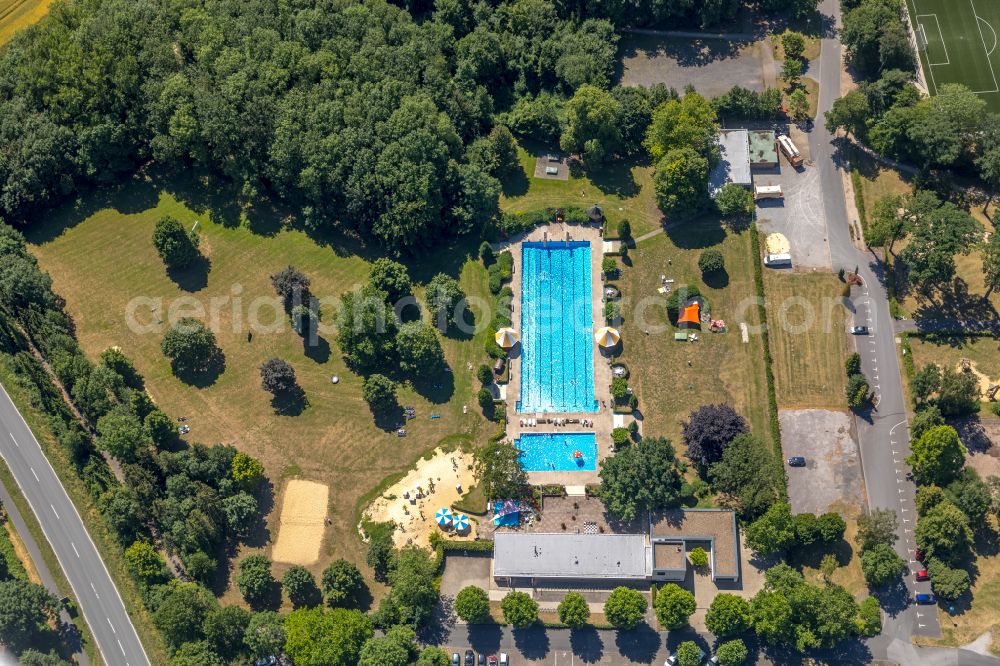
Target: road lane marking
(122,647)
(95,591)
(13,440)
(59,488)
(111,625)
(55,512)
(76,551)
(34,475)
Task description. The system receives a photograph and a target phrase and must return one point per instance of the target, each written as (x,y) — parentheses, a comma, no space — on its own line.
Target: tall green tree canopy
(640,477)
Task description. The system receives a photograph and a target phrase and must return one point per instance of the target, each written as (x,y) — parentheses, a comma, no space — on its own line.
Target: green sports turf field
(957,42)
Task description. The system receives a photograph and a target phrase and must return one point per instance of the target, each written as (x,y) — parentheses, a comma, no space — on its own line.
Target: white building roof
(610,556)
(734,160)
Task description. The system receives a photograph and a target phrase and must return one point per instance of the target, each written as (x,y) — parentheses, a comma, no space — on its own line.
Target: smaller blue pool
(553,451)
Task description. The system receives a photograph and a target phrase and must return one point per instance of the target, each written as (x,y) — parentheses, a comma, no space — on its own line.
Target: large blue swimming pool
(557,347)
(553,451)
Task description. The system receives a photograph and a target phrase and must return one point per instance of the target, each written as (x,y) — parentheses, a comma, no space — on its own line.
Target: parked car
(503,659)
(492,660)
(455,659)
(919,555)
(481,660)
(859,330)
(796,461)
(923,575)
(926,598)
(470,658)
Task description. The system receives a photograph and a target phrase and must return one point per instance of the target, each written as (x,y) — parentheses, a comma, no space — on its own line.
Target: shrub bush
(698,557)
(619,387)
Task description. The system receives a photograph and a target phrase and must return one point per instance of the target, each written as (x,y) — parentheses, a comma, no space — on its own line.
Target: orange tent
(690,315)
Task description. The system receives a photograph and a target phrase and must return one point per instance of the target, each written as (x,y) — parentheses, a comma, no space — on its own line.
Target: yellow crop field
(18,14)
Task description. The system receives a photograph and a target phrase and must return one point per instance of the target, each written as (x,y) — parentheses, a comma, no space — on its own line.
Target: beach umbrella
(507,337)
(443,517)
(607,336)
(461,522)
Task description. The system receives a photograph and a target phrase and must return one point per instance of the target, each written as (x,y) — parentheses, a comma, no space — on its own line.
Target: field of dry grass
(808,338)
(18,14)
(673,378)
(100,259)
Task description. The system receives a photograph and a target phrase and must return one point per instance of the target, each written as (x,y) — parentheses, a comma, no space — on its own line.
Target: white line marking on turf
(947,58)
(979,22)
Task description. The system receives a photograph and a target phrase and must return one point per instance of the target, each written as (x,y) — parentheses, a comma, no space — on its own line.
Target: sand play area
(300,526)
(436,479)
(984,381)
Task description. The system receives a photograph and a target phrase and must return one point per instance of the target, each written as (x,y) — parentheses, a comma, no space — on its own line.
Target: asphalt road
(96,594)
(882,433)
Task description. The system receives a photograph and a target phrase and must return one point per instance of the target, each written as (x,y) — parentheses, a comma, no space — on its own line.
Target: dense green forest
(358,114)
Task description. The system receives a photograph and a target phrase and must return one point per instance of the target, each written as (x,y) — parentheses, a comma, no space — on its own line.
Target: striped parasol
(461,522)
(443,517)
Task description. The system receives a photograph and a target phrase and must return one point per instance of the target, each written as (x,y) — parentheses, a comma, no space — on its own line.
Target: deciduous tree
(625,607)
(709,430)
(574,610)
(177,247)
(472,604)
(728,615)
(937,456)
(640,478)
(519,609)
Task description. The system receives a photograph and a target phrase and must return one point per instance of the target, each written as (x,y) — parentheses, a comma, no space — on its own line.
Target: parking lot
(832,479)
(800,216)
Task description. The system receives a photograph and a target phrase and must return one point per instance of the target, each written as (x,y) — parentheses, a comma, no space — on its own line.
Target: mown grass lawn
(809,340)
(673,378)
(624,190)
(100,257)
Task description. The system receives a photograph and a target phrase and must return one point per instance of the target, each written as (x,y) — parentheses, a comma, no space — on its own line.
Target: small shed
(734,161)
(763,149)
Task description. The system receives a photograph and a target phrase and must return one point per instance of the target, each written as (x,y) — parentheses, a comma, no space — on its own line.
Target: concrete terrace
(602,364)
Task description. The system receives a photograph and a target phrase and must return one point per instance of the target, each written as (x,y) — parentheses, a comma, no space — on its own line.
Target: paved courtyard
(800,216)
(712,66)
(832,479)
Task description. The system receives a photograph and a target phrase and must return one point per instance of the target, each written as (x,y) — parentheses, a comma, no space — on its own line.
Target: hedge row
(772,397)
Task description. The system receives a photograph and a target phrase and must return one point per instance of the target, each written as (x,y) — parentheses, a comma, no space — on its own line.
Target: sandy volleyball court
(437,479)
(300,526)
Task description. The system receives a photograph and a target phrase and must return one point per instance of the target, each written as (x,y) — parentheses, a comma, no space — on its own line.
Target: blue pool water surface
(553,451)
(557,363)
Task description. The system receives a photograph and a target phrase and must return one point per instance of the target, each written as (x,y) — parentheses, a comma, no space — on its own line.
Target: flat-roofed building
(713,529)
(734,161)
(530,558)
(524,556)
(763,149)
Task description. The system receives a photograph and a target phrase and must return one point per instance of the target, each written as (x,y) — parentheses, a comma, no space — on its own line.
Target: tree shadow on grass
(532,642)
(205,376)
(716,279)
(194,277)
(390,419)
(438,389)
(640,644)
(586,644)
(615,179)
(515,184)
(702,232)
(291,402)
(316,349)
